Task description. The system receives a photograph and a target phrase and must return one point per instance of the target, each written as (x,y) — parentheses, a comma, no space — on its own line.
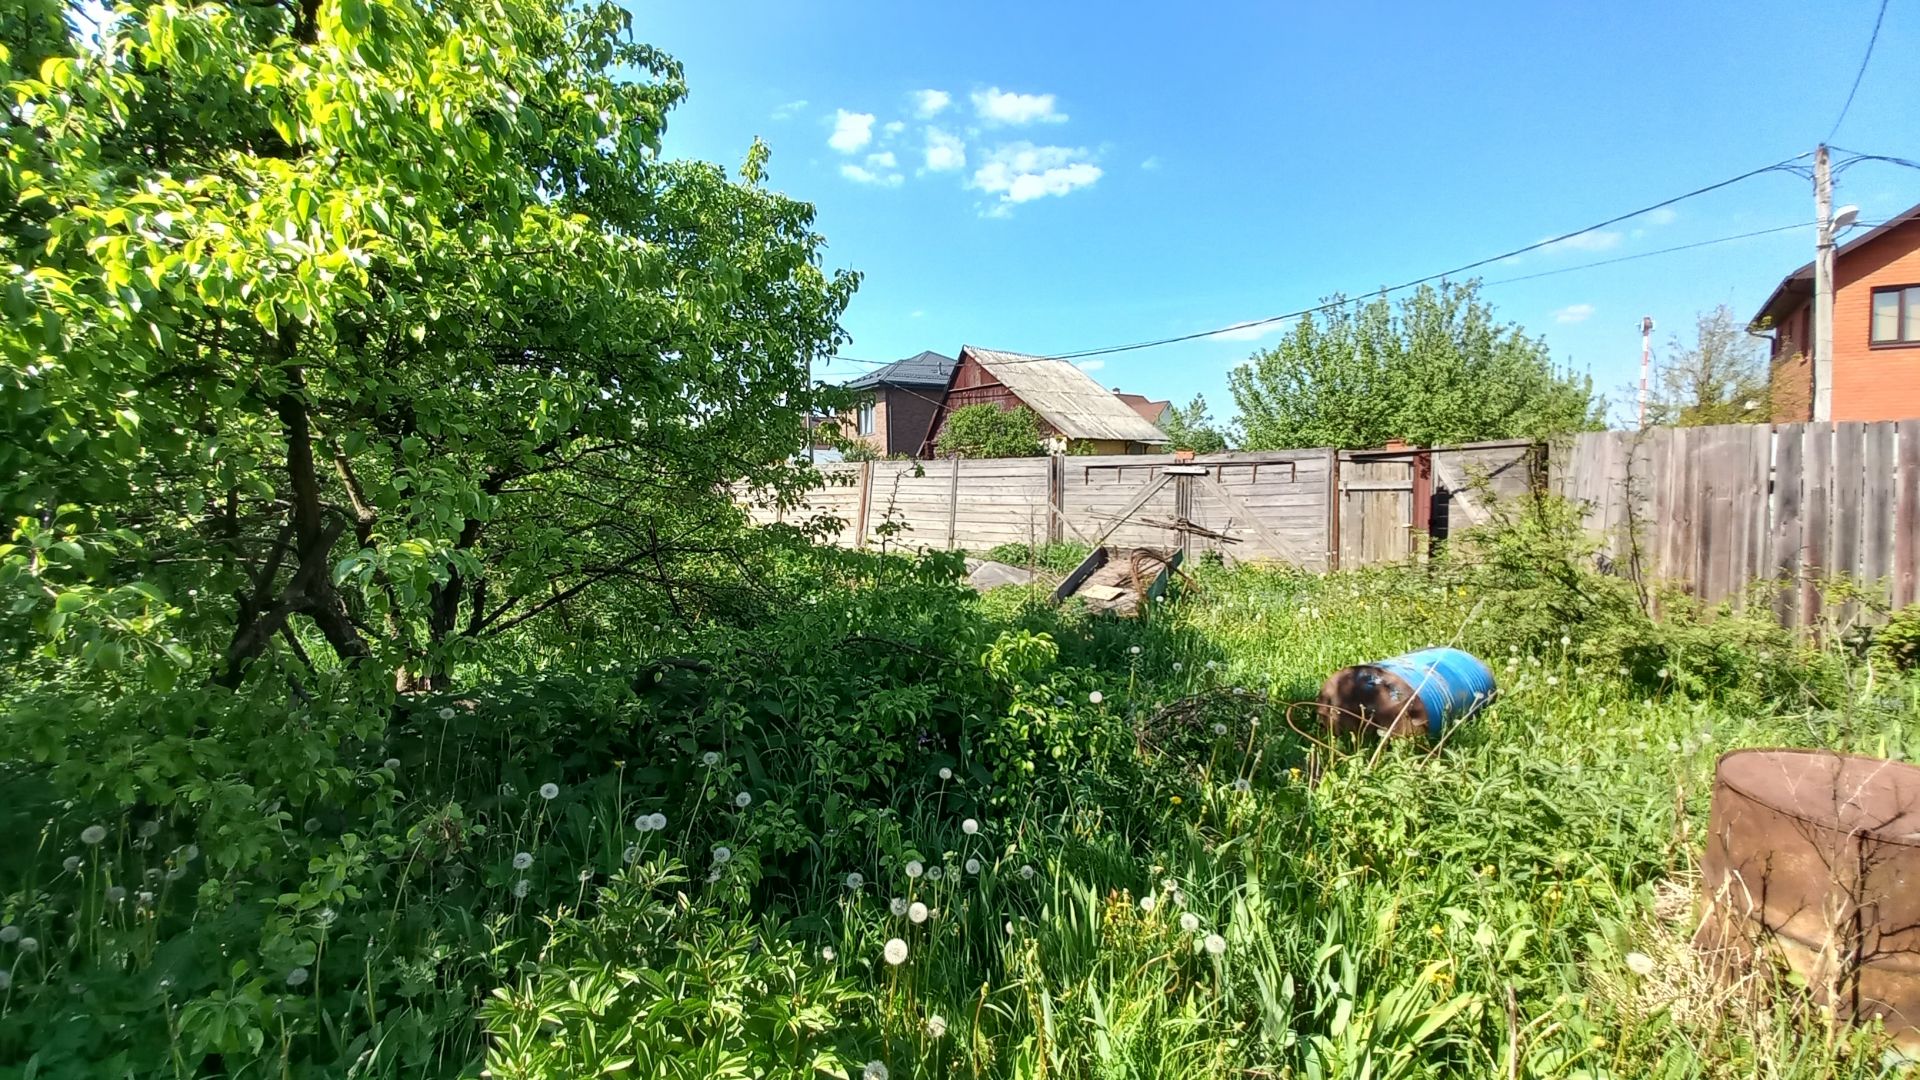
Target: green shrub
(1898,642)
(1060,557)
(988,431)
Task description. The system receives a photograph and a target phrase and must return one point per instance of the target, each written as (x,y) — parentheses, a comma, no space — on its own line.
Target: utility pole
(1646,364)
(1822,287)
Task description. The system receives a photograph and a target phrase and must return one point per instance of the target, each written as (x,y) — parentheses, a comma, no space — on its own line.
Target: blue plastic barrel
(1451,685)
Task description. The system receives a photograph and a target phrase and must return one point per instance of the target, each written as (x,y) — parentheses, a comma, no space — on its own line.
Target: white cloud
(1574,313)
(1151,163)
(870,176)
(882,160)
(894,127)
(997,106)
(945,152)
(1666,215)
(929,103)
(789,109)
(1089,365)
(1591,240)
(851,131)
(1021,172)
(1249,333)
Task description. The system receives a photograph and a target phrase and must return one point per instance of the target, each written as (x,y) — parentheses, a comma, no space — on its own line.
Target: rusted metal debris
(1813,859)
(1119,580)
(1418,693)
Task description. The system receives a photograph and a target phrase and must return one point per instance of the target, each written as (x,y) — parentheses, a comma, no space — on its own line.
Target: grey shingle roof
(926,369)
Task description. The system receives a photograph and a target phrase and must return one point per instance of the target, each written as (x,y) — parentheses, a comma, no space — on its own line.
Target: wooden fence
(1316,509)
(1715,509)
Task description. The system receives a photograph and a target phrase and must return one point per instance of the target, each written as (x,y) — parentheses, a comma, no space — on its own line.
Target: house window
(1896,315)
(863,420)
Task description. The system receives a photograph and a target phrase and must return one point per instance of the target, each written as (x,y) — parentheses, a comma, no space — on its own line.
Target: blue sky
(1050,177)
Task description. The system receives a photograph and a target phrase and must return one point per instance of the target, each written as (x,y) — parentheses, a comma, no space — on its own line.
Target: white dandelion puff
(917,912)
(549,791)
(827,953)
(897,905)
(657,821)
(116,894)
(1027,871)
(1215,945)
(937,1026)
(632,853)
(29,945)
(914,869)
(446,712)
(743,800)
(1189,921)
(644,823)
(1565,640)
(93,834)
(970,826)
(934,873)
(1177,665)
(1640,964)
(392,764)
(973,866)
(855,880)
(9,934)
(522,860)
(1147,903)
(946,773)
(1135,650)
(895,952)
(149,829)
(1096,697)
(1242,785)
(1219,728)
(520,889)
(1663,673)
(875,1070)
(721,855)
(711,757)
(297,977)
(71,864)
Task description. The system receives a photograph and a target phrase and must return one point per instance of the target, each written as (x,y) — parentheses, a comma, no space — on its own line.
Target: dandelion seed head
(392,764)
(297,977)
(1134,649)
(1096,697)
(1147,903)
(1215,945)
(643,823)
(1640,964)
(937,1026)
(915,869)
(721,855)
(29,945)
(1663,673)
(827,953)
(446,712)
(93,834)
(1242,785)
(917,912)
(946,773)
(522,860)
(657,821)
(1027,871)
(148,829)
(71,864)
(116,894)
(855,880)
(1219,728)
(973,866)
(934,873)
(711,757)
(1189,921)
(1177,665)
(897,905)
(520,888)
(970,826)
(9,934)
(895,952)
(743,800)
(549,791)
(874,1071)
(632,853)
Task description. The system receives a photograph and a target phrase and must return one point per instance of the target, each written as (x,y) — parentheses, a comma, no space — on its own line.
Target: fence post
(866,501)
(1056,498)
(953,499)
(1333,509)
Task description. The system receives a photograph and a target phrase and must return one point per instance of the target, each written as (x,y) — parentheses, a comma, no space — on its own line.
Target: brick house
(1077,414)
(1876,328)
(896,412)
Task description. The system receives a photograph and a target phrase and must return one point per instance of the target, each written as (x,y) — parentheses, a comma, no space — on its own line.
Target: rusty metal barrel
(1421,691)
(1813,859)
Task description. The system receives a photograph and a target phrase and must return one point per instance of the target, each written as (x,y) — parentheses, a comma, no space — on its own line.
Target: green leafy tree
(988,431)
(1191,427)
(1434,369)
(373,327)
(1721,378)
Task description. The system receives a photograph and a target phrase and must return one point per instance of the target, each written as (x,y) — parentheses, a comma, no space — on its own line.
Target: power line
(1271,319)
(1860,74)
(1650,254)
